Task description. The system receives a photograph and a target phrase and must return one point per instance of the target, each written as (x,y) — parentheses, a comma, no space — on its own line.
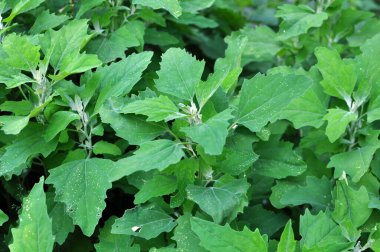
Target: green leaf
(278,160)
(212,134)
(61,221)
(375,235)
(114,46)
(21,7)
(354,163)
(3,217)
(143,222)
(17,107)
(46,20)
(109,242)
(310,108)
(217,238)
(12,78)
(159,185)
(136,130)
(262,44)
(193,6)
(263,98)
(22,54)
(185,172)
(172,6)
(64,45)
(337,122)
(186,239)
(58,122)
(351,204)
(119,78)
(320,233)
(364,32)
(159,37)
(238,154)
(86,5)
(369,67)
(179,74)
(12,125)
(157,154)
(103,147)
(226,71)
(287,242)
(34,232)
(297,20)
(82,185)
(339,78)
(196,20)
(27,144)
(220,202)
(156,109)
(254,216)
(313,191)
(78,64)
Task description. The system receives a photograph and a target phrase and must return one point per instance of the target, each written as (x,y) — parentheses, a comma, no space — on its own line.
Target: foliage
(189,125)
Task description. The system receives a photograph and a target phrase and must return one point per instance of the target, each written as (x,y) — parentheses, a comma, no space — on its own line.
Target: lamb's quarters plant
(189,125)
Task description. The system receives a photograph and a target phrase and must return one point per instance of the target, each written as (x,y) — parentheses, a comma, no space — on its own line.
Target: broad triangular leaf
(220,202)
(337,122)
(58,122)
(310,108)
(135,129)
(3,217)
(187,240)
(114,46)
(339,78)
(157,154)
(34,232)
(351,204)
(298,20)
(287,242)
(217,238)
(64,45)
(156,109)
(179,74)
(313,191)
(22,53)
(278,160)
(27,144)
(212,134)
(354,163)
(12,125)
(120,77)
(22,6)
(82,185)
(62,222)
(45,21)
(172,6)
(321,233)
(262,98)
(143,222)
(159,185)
(185,172)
